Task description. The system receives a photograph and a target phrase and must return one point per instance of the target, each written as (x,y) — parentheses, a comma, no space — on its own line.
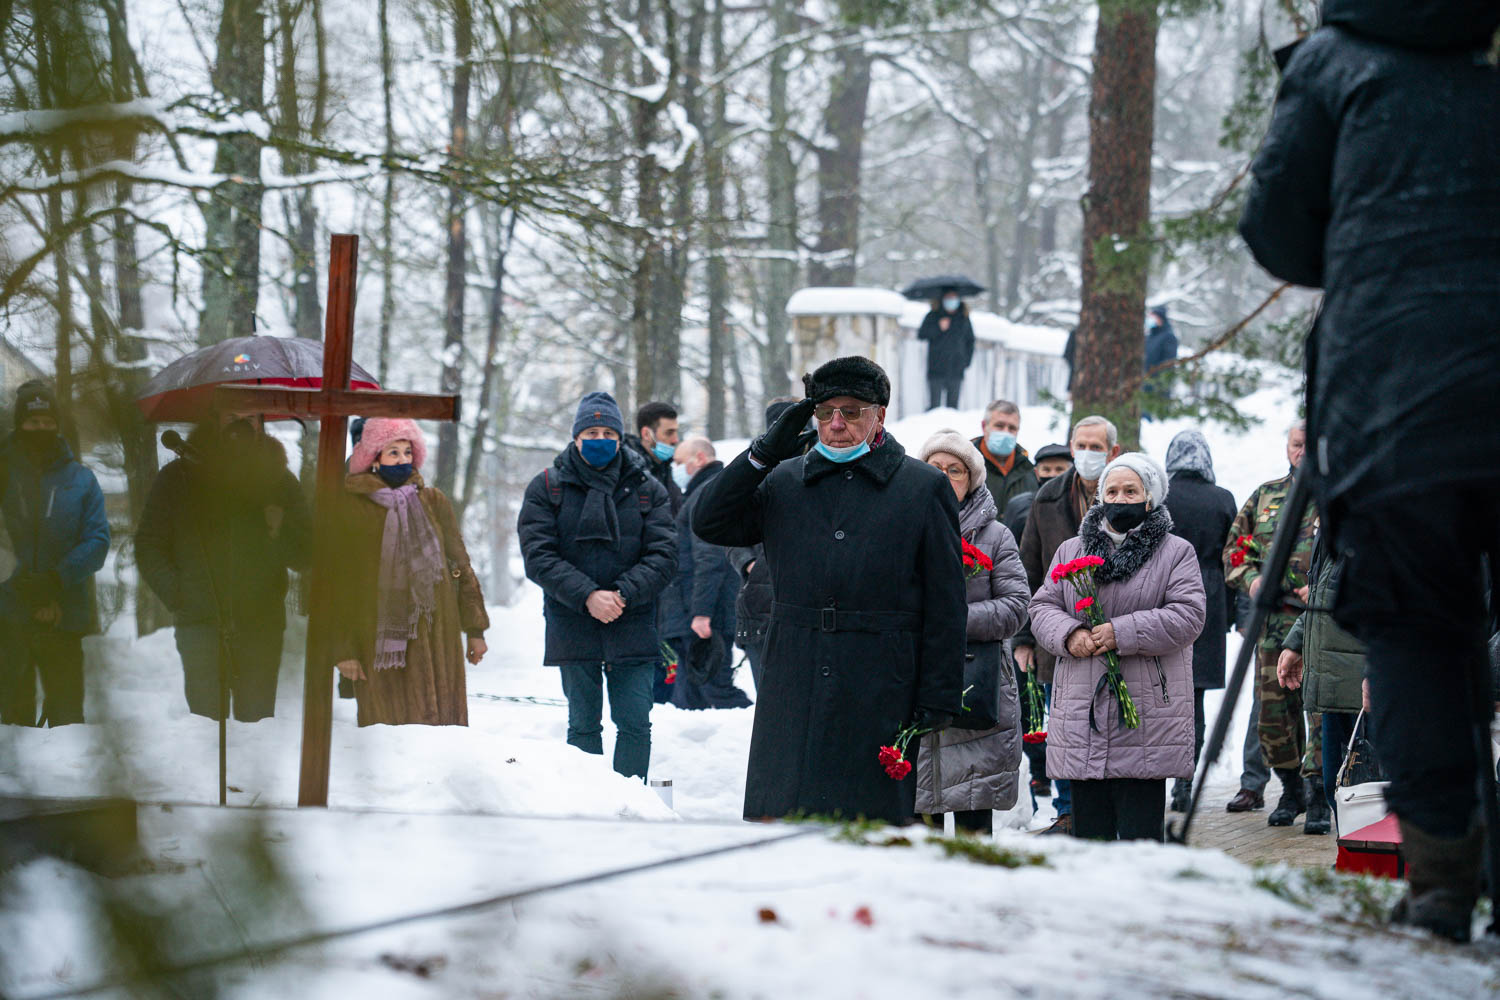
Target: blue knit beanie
(598,409)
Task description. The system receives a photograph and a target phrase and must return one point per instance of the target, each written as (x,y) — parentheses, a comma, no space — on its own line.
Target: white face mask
(681,476)
(951,305)
(1090,464)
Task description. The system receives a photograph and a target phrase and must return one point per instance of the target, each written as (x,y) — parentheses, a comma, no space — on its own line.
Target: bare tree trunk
(720,343)
(1116,217)
(839,171)
(1025,171)
(231,272)
(1057,128)
(781,222)
(388,201)
(453,313)
(501,235)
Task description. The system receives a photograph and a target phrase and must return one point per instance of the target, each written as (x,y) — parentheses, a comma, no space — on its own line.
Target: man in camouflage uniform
(1284,737)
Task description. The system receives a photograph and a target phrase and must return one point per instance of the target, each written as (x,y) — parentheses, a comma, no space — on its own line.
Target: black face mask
(39,446)
(395,475)
(1125,516)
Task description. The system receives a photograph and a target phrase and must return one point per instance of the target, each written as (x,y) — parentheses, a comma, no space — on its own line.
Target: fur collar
(1122,561)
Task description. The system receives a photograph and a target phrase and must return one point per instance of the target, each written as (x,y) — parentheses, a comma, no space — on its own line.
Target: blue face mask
(598,452)
(842,455)
(680,476)
(951,305)
(663,451)
(395,475)
(1000,443)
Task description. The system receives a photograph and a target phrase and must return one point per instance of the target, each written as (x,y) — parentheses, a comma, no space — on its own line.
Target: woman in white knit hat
(971,772)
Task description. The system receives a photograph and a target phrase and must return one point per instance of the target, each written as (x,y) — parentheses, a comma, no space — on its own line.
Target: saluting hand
(783,439)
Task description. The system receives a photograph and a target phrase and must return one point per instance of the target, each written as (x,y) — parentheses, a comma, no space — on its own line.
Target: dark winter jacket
(948,351)
(868,624)
(752,609)
(1379,181)
(1003,486)
(1054,519)
(1161,345)
(1016,512)
(569,568)
(1202,514)
(966,769)
(1333,661)
(660,471)
(706,583)
(204,544)
(54,515)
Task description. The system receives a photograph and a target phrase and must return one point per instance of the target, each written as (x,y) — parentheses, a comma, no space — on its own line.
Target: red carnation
(1037,737)
(1084,604)
(1090,562)
(1237,557)
(888,756)
(898,769)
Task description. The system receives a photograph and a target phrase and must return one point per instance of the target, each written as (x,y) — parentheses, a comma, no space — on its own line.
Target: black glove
(931,720)
(783,439)
(37,590)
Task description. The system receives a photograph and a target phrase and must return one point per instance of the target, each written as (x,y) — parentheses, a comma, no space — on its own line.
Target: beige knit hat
(954,443)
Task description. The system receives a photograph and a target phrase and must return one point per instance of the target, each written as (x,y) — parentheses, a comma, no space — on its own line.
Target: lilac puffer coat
(1157,610)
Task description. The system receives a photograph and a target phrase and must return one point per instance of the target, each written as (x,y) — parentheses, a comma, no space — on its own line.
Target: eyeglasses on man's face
(823,414)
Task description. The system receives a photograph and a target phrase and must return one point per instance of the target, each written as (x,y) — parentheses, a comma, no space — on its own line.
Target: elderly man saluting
(867,629)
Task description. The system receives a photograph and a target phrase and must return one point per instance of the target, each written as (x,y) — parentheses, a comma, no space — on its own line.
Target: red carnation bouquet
(1080,573)
(1036,708)
(975,560)
(1245,547)
(893,757)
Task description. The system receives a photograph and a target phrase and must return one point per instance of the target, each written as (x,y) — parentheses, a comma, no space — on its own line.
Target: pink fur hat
(381,431)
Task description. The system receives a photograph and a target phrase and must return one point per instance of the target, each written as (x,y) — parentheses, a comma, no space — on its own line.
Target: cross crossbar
(317,403)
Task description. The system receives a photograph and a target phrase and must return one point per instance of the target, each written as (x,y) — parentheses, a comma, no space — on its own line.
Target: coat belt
(836,619)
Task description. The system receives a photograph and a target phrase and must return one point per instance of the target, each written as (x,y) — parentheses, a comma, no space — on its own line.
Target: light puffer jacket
(980,768)
(1157,610)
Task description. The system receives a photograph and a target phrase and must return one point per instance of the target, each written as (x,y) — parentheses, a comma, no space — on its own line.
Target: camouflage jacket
(1258,519)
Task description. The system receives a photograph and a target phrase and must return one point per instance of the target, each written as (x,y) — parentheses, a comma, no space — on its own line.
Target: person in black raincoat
(596,535)
(867,629)
(950,348)
(221,527)
(1379,181)
(1202,513)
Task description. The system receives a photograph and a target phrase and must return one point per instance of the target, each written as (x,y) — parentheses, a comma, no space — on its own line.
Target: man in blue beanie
(54,513)
(597,536)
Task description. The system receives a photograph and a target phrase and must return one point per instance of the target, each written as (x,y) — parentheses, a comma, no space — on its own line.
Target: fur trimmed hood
(1122,561)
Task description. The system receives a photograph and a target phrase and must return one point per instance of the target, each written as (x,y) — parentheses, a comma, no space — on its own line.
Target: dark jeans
(943,391)
(719,691)
(966,821)
(58,658)
(629,709)
(1120,809)
(1255,775)
(254,662)
(1338,730)
(1413,592)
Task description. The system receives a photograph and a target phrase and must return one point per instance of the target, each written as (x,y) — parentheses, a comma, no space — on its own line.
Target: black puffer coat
(569,568)
(877,541)
(1379,181)
(204,544)
(706,584)
(752,609)
(1202,514)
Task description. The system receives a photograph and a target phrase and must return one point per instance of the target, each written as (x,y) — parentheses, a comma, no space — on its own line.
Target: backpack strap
(554,489)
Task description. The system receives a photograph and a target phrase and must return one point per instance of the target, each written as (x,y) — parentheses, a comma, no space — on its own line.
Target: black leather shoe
(1245,801)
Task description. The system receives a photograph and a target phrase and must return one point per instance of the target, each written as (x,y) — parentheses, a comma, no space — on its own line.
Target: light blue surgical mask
(680,476)
(598,452)
(663,451)
(950,304)
(842,455)
(1000,443)
(1090,464)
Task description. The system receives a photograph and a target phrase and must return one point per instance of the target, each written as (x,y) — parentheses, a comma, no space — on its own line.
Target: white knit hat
(1153,476)
(954,443)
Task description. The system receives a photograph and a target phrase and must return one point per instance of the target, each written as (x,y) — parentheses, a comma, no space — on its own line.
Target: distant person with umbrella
(949,335)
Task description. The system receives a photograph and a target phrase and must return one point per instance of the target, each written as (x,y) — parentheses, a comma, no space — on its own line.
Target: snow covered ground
(816,915)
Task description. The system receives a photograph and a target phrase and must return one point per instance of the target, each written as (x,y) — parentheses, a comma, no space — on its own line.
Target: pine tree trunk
(1116,252)
(453,311)
(839,172)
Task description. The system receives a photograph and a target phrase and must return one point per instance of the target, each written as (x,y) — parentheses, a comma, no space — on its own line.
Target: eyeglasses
(954,472)
(823,414)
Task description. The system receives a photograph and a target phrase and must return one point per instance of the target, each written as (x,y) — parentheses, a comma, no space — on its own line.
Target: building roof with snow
(846,302)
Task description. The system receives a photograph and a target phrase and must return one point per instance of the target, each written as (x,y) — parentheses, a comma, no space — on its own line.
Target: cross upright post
(332,404)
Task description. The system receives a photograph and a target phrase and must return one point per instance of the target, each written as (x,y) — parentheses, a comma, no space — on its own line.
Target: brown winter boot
(1442,875)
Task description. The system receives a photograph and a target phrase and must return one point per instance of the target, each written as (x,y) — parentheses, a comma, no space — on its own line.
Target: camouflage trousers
(1289,737)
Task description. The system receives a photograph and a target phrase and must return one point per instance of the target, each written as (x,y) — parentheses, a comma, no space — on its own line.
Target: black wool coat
(1202,513)
(948,351)
(204,544)
(706,583)
(868,622)
(1379,181)
(568,569)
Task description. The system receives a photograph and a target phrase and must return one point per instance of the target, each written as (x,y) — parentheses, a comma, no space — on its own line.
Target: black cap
(35,399)
(854,376)
(1052,451)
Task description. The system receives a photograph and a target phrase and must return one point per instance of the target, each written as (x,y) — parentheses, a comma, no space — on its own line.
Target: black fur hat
(853,376)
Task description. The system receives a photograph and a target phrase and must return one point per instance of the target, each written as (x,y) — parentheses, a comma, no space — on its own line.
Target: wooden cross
(332,404)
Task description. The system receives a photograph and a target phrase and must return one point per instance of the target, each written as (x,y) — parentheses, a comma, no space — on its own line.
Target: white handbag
(1357,806)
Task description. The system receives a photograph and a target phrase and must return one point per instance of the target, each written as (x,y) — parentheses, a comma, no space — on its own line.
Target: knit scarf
(1140,544)
(599,521)
(411,567)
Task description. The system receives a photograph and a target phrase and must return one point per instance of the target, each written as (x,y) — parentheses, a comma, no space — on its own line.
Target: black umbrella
(930,288)
(183,391)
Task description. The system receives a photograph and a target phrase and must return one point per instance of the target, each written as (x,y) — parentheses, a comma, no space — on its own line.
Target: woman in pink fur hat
(411,596)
